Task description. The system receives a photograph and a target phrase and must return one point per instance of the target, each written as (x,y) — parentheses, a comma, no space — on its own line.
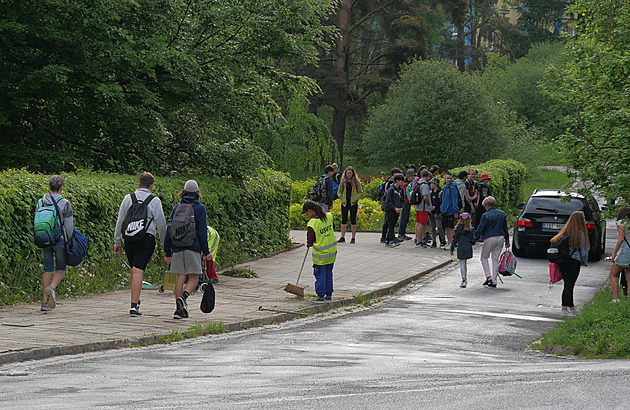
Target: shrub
(250,214)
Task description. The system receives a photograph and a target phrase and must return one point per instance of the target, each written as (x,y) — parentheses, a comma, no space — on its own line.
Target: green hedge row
(251,215)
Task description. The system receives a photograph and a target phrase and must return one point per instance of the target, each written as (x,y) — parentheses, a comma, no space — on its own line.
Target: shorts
(422,217)
(448,221)
(55,257)
(186,262)
(139,253)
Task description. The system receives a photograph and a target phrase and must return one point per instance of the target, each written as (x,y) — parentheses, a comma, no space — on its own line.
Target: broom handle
(300,274)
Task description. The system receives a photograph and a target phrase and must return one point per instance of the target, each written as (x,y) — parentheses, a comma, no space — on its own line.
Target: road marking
(505,315)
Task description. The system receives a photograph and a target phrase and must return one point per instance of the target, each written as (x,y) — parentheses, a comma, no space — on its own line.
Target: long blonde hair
(354,180)
(574,228)
(466,223)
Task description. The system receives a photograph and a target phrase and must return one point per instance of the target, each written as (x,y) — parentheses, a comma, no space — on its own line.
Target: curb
(47,352)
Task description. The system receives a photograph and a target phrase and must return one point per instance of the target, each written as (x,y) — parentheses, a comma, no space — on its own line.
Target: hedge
(251,215)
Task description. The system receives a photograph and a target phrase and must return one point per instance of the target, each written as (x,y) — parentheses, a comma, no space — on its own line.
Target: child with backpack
(186,238)
(463,239)
(140,216)
(51,214)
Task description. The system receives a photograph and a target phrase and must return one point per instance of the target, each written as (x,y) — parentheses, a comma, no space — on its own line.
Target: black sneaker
(383,240)
(398,240)
(492,285)
(341,240)
(178,314)
(214,281)
(352,240)
(434,245)
(488,281)
(133,312)
(401,237)
(328,297)
(182,306)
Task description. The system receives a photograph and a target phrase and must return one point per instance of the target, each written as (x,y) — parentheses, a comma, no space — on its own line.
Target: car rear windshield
(544,205)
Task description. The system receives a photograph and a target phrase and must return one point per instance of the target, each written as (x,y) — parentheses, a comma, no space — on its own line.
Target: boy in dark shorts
(139,251)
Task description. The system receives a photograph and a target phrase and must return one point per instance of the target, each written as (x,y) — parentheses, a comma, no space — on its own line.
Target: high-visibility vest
(325,246)
(213,242)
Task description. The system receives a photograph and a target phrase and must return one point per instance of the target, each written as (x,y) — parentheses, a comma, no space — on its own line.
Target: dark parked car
(545,213)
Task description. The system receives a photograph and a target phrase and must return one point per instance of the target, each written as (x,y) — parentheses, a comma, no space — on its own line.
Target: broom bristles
(295,289)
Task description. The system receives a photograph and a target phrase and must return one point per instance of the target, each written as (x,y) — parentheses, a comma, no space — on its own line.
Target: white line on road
(505,315)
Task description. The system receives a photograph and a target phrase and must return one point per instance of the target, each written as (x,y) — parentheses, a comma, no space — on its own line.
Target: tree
(435,114)
(376,37)
(518,85)
(595,82)
(124,85)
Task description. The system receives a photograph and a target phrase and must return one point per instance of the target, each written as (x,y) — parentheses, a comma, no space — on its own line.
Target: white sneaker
(52,296)
(446,247)
(464,283)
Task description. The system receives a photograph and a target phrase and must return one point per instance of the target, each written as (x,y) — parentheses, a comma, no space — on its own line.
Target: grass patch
(243,272)
(600,331)
(543,178)
(365,300)
(193,331)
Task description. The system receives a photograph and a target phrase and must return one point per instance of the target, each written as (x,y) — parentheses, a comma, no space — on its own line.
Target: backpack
(46,226)
(416,196)
(183,230)
(507,263)
(559,251)
(135,225)
(318,192)
(382,191)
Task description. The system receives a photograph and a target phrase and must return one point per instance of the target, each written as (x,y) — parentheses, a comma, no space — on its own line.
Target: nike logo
(134,228)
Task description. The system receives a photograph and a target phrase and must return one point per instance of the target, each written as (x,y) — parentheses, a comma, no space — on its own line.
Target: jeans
(323,279)
(404,219)
(436,227)
(55,257)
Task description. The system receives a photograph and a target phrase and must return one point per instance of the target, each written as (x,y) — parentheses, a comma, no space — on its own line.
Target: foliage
(123,85)
(601,330)
(595,82)
(434,112)
(301,190)
(506,179)
(518,86)
(544,179)
(234,209)
(370,190)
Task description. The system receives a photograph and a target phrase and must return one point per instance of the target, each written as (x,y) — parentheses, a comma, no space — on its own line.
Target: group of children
(187,241)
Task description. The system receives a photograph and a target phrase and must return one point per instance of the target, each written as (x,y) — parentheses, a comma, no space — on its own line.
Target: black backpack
(559,251)
(183,229)
(135,225)
(318,192)
(415,198)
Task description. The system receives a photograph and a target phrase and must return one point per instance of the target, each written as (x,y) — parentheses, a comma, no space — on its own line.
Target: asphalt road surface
(433,345)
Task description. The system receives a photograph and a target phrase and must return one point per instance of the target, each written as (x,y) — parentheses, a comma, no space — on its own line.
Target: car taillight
(590,227)
(524,223)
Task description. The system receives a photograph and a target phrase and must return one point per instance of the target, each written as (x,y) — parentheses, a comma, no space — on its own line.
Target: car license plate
(547,225)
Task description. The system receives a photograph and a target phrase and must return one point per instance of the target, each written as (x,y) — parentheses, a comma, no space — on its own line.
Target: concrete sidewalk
(102,321)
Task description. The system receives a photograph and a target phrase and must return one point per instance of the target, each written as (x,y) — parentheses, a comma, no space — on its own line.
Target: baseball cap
(435,181)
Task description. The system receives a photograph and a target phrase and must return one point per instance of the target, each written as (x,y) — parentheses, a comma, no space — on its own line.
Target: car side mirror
(520,205)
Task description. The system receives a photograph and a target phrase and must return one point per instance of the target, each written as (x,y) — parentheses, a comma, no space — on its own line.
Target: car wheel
(596,254)
(518,252)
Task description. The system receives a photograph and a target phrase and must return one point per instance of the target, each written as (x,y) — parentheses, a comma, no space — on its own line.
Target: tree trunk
(461,48)
(338,128)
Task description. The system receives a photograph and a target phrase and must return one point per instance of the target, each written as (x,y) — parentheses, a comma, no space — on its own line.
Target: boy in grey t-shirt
(423,209)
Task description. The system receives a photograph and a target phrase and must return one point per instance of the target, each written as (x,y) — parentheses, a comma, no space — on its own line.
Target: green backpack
(46,227)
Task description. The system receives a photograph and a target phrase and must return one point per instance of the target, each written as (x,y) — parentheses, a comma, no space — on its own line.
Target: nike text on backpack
(318,192)
(183,230)
(135,225)
(46,226)
(559,251)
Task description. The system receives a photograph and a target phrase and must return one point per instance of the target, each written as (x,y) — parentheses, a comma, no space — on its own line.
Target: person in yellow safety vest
(320,235)
(213,244)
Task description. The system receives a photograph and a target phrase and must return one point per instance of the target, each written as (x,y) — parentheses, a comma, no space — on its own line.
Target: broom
(295,289)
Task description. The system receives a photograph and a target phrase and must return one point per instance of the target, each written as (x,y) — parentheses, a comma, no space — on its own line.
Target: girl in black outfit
(350,191)
(575,230)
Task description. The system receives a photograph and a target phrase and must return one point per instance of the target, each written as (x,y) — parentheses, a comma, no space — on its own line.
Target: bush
(250,214)
(370,190)
(507,178)
(301,190)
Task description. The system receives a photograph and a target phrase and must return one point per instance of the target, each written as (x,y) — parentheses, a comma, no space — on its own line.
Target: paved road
(432,345)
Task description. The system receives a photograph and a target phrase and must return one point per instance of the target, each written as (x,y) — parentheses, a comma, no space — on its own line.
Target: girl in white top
(621,253)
